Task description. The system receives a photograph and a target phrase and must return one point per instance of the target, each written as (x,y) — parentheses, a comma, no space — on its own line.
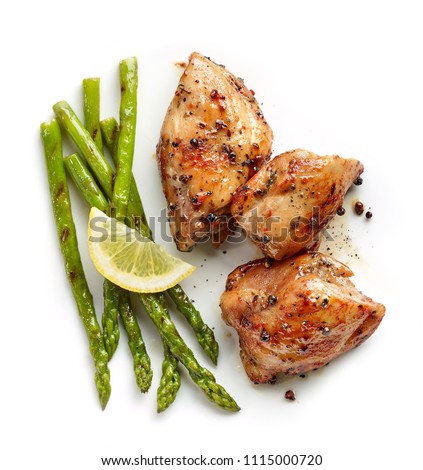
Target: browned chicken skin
(296,315)
(285,206)
(213,139)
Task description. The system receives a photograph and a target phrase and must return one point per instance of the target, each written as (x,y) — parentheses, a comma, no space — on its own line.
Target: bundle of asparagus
(116,193)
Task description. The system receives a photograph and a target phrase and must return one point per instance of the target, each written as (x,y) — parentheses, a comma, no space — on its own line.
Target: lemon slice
(130,261)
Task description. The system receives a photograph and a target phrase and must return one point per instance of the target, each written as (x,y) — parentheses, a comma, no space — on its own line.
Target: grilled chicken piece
(286,205)
(296,315)
(214,138)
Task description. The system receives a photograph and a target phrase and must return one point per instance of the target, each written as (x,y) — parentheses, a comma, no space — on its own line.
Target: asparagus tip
(103,402)
(213,356)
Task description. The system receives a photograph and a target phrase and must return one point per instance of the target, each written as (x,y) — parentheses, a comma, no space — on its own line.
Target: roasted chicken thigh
(296,315)
(213,139)
(285,206)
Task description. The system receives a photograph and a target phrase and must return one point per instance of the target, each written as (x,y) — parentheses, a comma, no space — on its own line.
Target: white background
(333,77)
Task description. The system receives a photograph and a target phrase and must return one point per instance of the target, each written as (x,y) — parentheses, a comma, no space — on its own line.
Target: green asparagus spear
(128,69)
(111,292)
(91,91)
(205,336)
(170,380)
(110,131)
(95,159)
(203,332)
(120,196)
(85,182)
(109,319)
(200,375)
(142,365)
(51,137)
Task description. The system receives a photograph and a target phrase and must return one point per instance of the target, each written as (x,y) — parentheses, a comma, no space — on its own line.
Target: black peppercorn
(340,211)
(359,207)
(264,335)
(325,331)
(272,299)
(290,395)
(220,124)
